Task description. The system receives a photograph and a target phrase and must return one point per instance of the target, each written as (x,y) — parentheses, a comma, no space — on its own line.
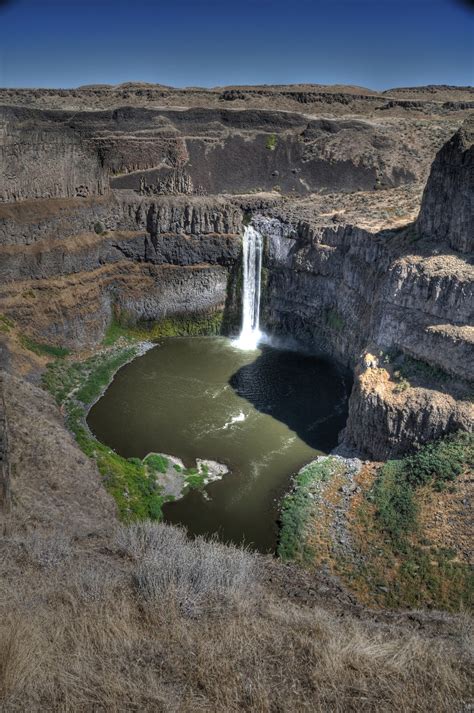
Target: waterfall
(252,264)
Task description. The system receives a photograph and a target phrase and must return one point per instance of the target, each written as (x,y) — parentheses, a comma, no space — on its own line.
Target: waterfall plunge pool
(263,413)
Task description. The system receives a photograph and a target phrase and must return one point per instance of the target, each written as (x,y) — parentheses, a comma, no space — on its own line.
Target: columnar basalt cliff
(447,211)
(107,213)
(146,258)
(56,153)
(376,298)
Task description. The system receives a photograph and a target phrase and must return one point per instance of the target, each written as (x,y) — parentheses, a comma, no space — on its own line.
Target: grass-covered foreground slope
(153,621)
(397,534)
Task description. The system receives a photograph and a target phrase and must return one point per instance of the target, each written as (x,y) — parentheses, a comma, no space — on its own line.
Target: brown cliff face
(337,278)
(447,209)
(61,280)
(386,423)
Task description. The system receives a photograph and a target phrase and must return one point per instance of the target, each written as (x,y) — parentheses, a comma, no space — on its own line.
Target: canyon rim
(325,231)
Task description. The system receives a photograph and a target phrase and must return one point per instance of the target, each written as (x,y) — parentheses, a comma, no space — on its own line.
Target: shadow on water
(279,379)
(265,414)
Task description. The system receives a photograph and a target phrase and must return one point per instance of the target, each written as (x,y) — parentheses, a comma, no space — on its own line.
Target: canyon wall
(45,158)
(447,212)
(80,244)
(47,153)
(62,281)
(374,299)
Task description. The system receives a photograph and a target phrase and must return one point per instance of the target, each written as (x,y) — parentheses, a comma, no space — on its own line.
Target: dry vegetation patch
(83,633)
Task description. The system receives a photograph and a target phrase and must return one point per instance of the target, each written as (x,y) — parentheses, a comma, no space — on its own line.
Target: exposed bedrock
(41,159)
(60,154)
(447,212)
(386,424)
(28,222)
(344,291)
(68,265)
(351,292)
(74,310)
(65,268)
(315,98)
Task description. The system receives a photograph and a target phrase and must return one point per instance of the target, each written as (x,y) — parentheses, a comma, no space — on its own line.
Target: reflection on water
(263,413)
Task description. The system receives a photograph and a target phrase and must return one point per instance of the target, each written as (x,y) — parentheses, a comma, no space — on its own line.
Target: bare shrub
(144,539)
(79,638)
(46,550)
(198,573)
(93,583)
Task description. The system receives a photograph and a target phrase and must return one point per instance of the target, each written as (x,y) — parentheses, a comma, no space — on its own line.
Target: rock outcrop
(344,289)
(42,158)
(114,222)
(385,422)
(66,269)
(447,209)
(48,153)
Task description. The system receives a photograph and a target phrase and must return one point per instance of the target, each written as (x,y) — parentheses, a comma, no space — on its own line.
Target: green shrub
(436,463)
(401,386)
(5,323)
(156,463)
(334,320)
(417,368)
(195,479)
(99,229)
(441,460)
(271,142)
(394,499)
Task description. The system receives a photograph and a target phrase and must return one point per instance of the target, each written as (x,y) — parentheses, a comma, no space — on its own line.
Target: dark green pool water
(264,414)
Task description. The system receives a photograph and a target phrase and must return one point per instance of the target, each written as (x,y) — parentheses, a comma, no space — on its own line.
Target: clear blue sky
(374,43)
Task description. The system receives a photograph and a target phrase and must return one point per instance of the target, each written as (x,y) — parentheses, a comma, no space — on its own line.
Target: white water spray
(252,262)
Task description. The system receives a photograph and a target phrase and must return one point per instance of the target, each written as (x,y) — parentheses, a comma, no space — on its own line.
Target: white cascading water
(252,262)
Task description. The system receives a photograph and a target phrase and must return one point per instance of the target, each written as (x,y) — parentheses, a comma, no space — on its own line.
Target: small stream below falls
(264,413)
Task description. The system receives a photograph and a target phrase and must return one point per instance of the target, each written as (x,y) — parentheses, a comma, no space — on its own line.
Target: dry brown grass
(82,633)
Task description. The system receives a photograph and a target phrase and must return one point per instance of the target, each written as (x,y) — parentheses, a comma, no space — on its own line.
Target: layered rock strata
(335,278)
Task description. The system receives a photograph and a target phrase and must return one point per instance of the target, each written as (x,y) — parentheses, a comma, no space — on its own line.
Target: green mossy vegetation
(271,142)
(195,479)
(41,349)
(6,324)
(75,385)
(156,463)
(179,326)
(296,508)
